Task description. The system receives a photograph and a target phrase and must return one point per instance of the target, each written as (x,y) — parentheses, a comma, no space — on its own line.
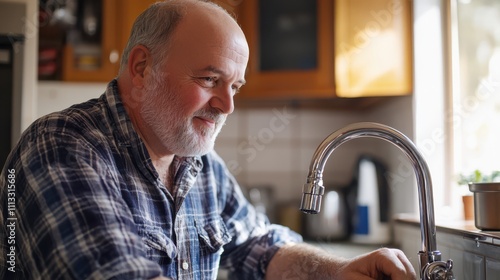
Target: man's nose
(223,100)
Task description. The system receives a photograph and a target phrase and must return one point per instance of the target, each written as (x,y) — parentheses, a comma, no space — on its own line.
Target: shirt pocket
(213,235)
(158,246)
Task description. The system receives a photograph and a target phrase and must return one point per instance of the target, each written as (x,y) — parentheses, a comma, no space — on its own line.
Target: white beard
(176,132)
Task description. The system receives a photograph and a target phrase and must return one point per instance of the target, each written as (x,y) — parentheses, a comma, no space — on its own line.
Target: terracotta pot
(468,202)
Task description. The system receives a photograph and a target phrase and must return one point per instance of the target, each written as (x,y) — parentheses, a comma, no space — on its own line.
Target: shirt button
(185,265)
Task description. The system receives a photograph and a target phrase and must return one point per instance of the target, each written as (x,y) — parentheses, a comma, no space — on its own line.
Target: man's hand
(302,261)
(380,264)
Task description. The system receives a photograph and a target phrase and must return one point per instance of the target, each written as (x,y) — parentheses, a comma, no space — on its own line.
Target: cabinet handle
(114,56)
(479,239)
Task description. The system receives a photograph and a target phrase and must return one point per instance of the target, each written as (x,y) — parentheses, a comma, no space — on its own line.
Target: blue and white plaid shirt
(88,204)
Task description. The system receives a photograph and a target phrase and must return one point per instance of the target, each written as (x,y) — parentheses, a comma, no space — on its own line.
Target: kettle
(371,213)
(333,222)
(359,211)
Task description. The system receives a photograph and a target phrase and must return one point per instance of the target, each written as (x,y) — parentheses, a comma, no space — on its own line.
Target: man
(127,186)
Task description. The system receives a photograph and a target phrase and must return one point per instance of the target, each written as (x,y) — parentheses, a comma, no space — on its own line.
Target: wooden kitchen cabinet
(97,60)
(299,49)
(103,63)
(373,48)
(311,75)
(303,49)
(100,61)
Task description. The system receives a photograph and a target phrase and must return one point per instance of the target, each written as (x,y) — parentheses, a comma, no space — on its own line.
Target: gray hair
(153,28)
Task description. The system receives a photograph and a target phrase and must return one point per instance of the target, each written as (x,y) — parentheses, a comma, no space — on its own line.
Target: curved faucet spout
(313,189)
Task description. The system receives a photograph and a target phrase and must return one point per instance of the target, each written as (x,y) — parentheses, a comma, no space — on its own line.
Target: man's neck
(161,159)
(162,166)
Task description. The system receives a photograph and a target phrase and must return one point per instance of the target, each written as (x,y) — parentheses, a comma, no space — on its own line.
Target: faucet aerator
(312,194)
(310,204)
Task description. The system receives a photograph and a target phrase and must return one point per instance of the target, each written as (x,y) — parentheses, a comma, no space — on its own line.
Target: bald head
(154,28)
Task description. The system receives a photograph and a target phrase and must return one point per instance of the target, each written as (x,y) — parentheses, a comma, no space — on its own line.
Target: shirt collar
(123,129)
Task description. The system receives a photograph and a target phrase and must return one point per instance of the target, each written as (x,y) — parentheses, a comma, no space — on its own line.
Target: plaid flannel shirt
(88,204)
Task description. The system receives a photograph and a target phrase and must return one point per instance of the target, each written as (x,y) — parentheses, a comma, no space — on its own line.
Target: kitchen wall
(273,146)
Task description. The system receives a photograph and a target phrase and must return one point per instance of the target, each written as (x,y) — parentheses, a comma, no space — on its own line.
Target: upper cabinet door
(96,58)
(92,52)
(290,48)
(327,48)
(373,47)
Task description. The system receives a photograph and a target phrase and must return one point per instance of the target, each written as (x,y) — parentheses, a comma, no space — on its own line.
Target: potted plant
(475,177)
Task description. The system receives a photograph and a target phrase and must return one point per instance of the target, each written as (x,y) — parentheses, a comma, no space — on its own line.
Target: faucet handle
(439,270)
(449,273)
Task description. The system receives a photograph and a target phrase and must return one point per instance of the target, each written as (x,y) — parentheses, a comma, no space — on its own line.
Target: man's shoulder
(82,130)
(76,133)
(84,119)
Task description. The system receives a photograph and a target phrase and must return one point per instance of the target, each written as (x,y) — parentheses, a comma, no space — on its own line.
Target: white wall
(28,25)
(55,96)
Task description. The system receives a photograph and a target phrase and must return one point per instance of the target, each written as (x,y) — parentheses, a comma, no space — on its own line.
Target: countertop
(465,228)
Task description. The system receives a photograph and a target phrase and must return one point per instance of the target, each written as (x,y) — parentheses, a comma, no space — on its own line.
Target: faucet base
(438,270)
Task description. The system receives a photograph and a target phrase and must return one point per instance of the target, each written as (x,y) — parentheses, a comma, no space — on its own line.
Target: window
(476,84)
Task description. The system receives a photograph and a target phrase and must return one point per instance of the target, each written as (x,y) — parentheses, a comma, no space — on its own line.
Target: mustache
(211,113)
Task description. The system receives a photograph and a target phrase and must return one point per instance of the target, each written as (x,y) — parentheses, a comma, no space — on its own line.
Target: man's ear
(138,61)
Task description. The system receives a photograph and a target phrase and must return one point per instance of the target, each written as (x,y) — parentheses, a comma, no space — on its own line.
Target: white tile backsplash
(319,124)
(232,128)
(273,157)
(267,125)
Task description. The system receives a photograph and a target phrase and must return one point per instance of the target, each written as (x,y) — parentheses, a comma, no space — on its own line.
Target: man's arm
(303,261)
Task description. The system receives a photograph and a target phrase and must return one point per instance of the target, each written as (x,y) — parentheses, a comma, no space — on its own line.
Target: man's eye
(236,89)
(209,81)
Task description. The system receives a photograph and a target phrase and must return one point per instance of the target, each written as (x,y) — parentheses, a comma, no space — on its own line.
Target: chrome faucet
(431,266)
